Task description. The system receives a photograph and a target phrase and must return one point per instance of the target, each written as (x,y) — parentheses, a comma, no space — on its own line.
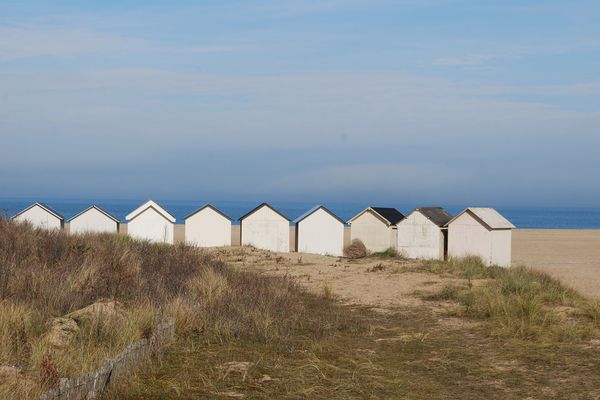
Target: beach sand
(383,284)
(573,256)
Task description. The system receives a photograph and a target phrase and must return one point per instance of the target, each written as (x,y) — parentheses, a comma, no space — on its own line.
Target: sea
(521,217)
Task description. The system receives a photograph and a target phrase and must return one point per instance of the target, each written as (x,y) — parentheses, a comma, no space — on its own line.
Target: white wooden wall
(265,229)
(320,233)
(93,221)
(40,218)
(152,226)
(418,237)
(466,236)
(208,228)
(373,232)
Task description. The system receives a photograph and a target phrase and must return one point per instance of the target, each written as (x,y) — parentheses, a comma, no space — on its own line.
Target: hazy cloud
(299,98)
(465,60)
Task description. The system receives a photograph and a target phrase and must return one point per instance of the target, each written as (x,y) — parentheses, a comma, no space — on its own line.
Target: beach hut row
(426,233)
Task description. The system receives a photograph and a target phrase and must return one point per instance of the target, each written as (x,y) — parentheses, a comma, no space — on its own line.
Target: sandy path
(573,256)
(392,284)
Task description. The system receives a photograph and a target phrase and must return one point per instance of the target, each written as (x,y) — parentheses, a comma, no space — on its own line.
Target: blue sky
(430,101)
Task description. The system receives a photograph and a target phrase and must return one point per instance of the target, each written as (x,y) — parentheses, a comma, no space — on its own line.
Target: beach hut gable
(94,207)
(93,219)
(388,215)
(212,208)
(488,217)
(437,215)
(258,208)
(150,204)
(315,209)
(43,207)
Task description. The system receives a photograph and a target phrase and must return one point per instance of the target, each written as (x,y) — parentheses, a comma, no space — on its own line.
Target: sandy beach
(573,256)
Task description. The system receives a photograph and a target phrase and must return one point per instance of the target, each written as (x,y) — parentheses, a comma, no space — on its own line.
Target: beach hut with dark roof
(208,227)
(40,215)
(265,228)
(481,232)
(422,234)
(151,222)
(319,231)
(376,227)
(93,220)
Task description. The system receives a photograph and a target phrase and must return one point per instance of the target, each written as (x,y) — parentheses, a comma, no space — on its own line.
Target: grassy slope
(506,333)
(501,334)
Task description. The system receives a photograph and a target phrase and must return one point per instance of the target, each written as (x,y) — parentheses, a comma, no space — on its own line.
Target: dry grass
(44,275)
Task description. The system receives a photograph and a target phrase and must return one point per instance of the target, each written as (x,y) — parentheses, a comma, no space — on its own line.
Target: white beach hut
(422,234)
(151,222)
(94,219)
(265,228)
(319,231)
(208,227)
(482,232)
(40,216)
(376,227)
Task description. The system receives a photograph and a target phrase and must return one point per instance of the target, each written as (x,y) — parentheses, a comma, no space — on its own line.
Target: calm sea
(522,217)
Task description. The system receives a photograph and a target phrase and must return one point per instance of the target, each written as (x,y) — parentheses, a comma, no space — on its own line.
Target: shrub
(356,249)
(390,252)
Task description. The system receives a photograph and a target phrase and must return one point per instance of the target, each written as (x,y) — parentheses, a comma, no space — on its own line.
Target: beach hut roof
(258,208)
(389,214)
(212,208)
(155,207)
(314,209)
(489,217)
(437,215)
(44,207)
(109,215)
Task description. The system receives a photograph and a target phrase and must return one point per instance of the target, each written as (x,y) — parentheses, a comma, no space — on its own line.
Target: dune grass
(518,301)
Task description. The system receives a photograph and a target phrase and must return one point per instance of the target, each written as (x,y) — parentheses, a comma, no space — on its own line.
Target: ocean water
(522,217)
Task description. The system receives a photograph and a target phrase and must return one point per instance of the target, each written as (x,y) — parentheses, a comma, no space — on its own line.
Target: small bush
(390,252)
(377,268)
(356,249)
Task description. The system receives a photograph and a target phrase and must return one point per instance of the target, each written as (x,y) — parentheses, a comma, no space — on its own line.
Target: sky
(414,101)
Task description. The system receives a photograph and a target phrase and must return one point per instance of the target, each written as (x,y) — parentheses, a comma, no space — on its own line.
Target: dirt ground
(381,283)
(572,256)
